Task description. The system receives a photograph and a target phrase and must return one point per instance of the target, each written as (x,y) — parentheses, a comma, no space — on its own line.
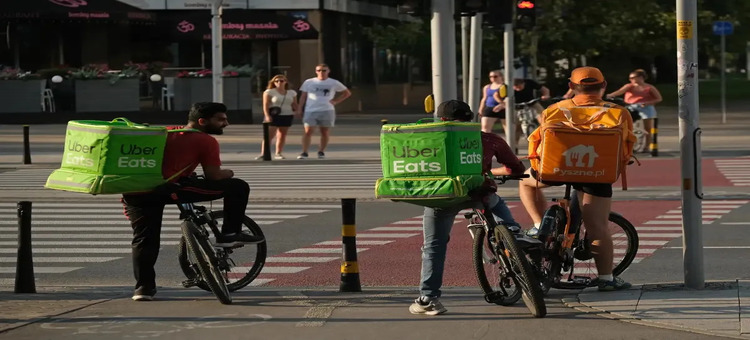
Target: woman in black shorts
(490,108)
(279,107)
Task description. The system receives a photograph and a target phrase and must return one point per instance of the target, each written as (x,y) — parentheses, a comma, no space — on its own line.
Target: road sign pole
(723,79)
(510,112)
(475,64)
(216,51)
(465,68)
(689,136)
(443,38)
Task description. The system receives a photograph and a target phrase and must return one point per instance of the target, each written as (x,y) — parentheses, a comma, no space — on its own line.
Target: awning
(73,11)
(237,24)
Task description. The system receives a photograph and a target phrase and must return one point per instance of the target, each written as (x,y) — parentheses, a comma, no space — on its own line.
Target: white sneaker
(434,307)
(278,156)
(533,232)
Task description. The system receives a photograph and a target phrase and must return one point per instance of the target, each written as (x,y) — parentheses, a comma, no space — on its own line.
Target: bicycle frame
(198,215)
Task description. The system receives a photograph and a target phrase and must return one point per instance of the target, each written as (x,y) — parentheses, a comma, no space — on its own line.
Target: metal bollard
(654,132)
(26,146)
(24,264)
(266,141)
(349,266)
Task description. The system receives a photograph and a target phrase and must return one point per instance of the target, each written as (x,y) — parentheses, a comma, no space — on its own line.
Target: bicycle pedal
(494,297)
(582,280)
(190,283)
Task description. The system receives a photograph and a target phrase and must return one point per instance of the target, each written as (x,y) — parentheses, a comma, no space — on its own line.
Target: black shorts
(596,189)
(487,112)
(282,121)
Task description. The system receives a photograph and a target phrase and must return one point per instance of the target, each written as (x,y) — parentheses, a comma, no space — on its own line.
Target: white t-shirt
(320,93)
(285,101)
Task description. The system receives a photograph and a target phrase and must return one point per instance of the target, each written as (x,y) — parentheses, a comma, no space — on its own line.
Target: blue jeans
(436,226)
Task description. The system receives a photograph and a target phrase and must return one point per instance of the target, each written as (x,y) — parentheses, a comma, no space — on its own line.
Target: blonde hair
(272,85)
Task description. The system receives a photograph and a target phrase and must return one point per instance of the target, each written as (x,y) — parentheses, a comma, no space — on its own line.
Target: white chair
(167,94)
(48,100)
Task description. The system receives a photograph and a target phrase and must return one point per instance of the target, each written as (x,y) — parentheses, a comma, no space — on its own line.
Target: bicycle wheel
(240,265)
(494,279)
(548,265)
(624,241)
(523,273)
(205,259)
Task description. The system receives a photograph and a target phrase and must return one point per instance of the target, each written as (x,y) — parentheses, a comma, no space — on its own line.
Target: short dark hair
(592,88)
(205,110)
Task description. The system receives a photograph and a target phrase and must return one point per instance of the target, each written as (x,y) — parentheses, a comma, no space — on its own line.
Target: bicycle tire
(245,278)
(525,276)
(632,248)
(485,260)
(550,263)
(206,262)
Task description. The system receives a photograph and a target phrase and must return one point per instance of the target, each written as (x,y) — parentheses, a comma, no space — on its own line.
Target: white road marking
(57,259)
(362,242)
(288,259)
(396,229)
(385,235)
(41,270)
(320,250)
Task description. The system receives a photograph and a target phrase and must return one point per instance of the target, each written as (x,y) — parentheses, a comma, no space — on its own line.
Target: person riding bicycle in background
(437,222)
(183,152)
(645,96)
(526,89)
(595,198)
(492,106)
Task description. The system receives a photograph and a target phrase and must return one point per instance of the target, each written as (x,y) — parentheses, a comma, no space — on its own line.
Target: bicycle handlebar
(504,178)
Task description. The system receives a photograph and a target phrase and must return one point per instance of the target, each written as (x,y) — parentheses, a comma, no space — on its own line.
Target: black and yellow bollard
(654,132)
(349,266)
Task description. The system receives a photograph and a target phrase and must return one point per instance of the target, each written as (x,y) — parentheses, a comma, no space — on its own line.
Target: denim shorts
(647,112)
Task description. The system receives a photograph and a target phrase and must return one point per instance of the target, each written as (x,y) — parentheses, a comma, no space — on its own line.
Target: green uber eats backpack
(433,164)
(110,157)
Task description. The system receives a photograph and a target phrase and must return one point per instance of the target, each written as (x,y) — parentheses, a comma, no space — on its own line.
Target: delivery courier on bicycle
(587,142)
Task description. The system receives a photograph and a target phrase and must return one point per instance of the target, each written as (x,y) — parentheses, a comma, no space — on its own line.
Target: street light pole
(216,52)
(475,64)
(443,38)
(690,148)
(510,105)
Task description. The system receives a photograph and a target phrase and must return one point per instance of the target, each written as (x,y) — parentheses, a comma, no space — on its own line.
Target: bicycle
(213,268)
(527,116)
(565,247)
(500,264)
(638,130)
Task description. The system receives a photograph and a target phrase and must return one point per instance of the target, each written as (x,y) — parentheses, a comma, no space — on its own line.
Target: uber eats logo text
(414,159)
(136,162)
(82,155)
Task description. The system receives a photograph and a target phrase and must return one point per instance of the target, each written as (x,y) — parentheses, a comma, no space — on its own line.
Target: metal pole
(510,101)
(723,79)
(747,60)
(216,52)
(475,63)
(443,38)
(689,136)
(465,46)
(24,263)
(266,141)
(26,146)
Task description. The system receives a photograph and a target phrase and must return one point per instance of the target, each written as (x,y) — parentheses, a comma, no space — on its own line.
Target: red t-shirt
(185,150)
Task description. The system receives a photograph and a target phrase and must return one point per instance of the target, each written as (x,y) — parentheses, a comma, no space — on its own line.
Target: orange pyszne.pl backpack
(583,144)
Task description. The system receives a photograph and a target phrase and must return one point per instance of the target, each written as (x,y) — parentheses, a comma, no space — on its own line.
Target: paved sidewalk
(376,313)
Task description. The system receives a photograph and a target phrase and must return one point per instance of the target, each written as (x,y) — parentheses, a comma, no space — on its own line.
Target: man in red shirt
(437,222)
(184,151)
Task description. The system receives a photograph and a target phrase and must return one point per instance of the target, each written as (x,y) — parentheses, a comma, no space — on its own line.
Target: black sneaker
(321,154)
(233,239)
(302,155)
(141,294)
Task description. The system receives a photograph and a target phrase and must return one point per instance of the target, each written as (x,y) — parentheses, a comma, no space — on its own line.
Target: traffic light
(499,13)
(467,8)
(415,8)
(525,14)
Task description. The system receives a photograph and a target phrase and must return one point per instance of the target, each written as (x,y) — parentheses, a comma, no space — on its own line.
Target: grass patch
(709,91)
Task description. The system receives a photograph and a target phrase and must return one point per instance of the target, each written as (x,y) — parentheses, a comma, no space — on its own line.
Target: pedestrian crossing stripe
(736,171)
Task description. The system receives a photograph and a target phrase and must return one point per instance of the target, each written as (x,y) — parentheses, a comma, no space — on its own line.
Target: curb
(574,303)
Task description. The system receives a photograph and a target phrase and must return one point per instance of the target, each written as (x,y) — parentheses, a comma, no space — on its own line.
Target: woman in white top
(279,108)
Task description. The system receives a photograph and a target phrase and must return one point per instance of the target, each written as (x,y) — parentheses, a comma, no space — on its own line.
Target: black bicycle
(564,259)
(213,268)
(501,266)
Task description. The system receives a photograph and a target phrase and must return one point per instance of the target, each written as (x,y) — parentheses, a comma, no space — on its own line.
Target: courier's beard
(214,130)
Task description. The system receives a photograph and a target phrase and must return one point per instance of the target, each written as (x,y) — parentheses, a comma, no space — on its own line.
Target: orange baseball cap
(586,75)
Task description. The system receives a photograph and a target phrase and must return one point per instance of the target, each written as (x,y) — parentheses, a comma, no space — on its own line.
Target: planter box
(98,95)
(21,96)
(237,92)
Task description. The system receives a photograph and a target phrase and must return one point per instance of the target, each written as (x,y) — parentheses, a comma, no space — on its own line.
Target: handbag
(276,110)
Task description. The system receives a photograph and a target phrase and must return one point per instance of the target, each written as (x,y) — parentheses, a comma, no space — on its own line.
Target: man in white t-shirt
(318,103)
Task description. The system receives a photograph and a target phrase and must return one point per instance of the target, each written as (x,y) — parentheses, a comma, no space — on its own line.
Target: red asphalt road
(398,263)
(656,172)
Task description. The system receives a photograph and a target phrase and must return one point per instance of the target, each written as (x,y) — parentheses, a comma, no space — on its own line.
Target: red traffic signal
(525,4)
